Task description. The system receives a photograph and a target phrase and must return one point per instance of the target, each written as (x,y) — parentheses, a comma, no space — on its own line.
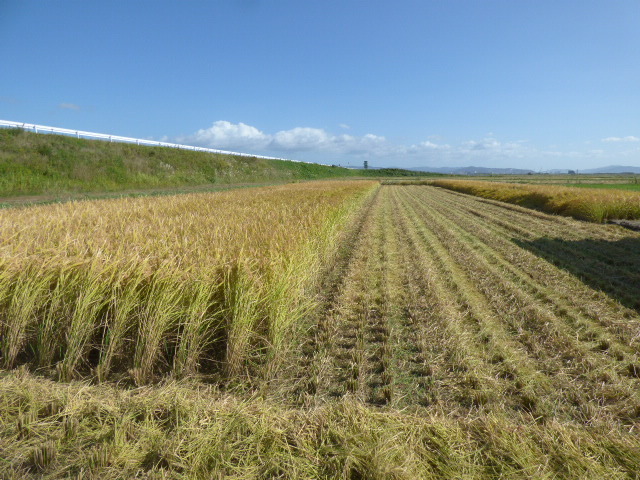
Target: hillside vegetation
(34,164)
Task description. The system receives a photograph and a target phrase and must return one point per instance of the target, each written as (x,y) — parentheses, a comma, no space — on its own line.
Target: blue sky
(522,83)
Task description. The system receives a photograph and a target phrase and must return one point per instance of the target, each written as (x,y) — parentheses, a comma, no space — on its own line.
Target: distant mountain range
(519,171)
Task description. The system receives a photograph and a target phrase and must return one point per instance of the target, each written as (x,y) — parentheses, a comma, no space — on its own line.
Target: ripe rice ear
(151,284)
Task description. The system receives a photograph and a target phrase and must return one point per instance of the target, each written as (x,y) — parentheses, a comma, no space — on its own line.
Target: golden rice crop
(596,205)
(52,430)
(180,283)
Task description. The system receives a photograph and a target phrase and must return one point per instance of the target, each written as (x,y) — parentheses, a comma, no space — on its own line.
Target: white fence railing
(138,141)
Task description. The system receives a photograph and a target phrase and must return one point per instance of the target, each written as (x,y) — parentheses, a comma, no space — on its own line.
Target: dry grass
(596,205)
(177,284)
(49,430)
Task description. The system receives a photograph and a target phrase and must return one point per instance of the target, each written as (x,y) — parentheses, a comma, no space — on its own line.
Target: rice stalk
(159,314)
(199,329)
(91,296)
(49,338)
(122,317)
(242,311)
(25,299)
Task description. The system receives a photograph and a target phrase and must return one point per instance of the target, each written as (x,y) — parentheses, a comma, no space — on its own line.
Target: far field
(620,186)
(394,331)
(603,180)
(592,204)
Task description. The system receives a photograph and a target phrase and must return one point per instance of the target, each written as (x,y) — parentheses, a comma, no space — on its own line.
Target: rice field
(180,285)
(616,186)
(585,203)
(364,331)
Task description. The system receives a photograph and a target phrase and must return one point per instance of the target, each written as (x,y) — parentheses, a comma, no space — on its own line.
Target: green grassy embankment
(38,164)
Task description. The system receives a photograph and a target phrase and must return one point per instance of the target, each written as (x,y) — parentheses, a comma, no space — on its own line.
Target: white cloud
(223,134)
(241,137)
(424,148)
(301,138)
(344,126)
(368,145)
(490,147)
(317,144)
(434,146)
(226,135)
(69,106)
(629,138)
(486,144)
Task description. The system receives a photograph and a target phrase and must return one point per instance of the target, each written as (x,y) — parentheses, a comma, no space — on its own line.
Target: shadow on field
(610,266)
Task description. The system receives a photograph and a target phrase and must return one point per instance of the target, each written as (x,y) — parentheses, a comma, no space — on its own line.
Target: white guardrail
(137,141)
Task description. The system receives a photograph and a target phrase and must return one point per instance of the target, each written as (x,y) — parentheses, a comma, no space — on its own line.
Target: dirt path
(462,305)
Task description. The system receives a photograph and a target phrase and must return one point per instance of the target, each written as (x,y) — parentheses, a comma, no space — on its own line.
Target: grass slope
(35,164)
